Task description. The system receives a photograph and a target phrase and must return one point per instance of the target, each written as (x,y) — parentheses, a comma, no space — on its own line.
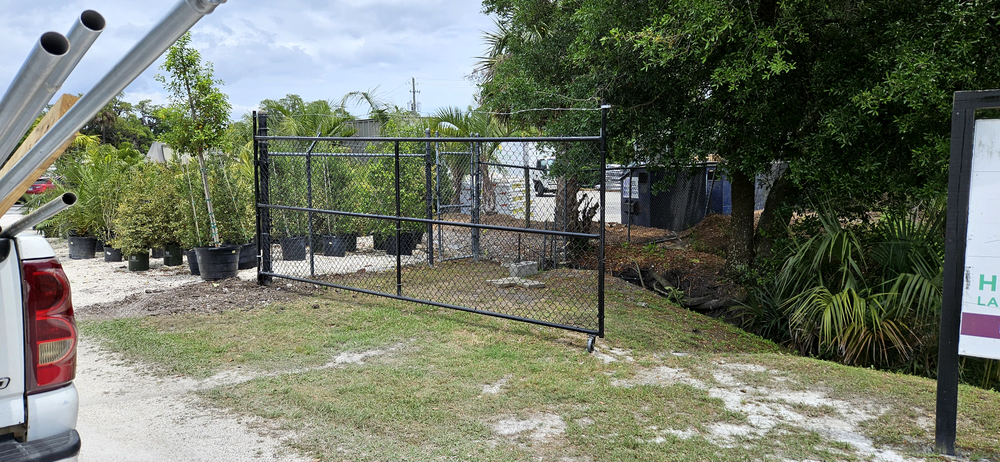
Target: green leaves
(147,213)
(199,112)
(862,295)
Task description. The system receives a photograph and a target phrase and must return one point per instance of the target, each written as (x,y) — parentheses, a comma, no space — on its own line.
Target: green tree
(121,122)
(198,112)
(293,116)
(854,95)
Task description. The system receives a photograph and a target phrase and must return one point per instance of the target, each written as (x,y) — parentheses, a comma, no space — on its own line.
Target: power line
(539,109)
(483,112)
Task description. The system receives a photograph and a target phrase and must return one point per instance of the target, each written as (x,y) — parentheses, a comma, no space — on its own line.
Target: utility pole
(413,108)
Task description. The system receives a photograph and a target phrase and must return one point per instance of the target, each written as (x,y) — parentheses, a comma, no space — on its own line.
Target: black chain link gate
(451,222)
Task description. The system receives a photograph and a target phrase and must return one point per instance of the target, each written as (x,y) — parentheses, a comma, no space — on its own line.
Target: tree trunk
(567,206)
(777,214)
(208,200)
(741,238)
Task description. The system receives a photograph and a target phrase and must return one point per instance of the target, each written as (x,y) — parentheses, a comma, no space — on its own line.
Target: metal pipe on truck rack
(181,18)
(81,36)
(43,59)
(40,214)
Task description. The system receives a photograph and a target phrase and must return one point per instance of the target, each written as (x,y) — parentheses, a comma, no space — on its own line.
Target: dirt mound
(200,297)
(711,235)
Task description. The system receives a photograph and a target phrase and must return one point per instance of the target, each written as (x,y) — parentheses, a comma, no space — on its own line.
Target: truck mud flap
(51,449)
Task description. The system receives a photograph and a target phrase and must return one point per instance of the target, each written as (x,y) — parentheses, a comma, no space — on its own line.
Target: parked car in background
(41,185)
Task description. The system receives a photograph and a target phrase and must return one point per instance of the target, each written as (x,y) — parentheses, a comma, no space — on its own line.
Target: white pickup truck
(38,338)
(541,181)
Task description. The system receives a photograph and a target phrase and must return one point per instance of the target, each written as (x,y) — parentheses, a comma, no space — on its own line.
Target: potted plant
(197,117)
(288,187)
(194,228)
(239,180)
(96,175)
(141,220)
(169,206)
(341,187)
(412,201)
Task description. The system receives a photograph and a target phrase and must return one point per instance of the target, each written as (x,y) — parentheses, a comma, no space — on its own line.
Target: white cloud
(314,48)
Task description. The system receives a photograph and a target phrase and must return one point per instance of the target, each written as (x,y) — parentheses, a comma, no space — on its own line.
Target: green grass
(422,396)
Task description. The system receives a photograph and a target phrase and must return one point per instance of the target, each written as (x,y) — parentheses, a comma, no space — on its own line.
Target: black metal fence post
(527,192)
(262,177)
(603,192)
(565,220)
(399,244)
(631,205)
(477,187)
(309,200)
(429,193)
(437,196)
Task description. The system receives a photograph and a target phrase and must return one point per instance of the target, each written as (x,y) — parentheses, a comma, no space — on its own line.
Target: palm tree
(453,122)
(378,109)
(292,116)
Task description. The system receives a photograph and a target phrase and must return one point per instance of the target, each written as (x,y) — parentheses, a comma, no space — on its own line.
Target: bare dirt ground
(130,414)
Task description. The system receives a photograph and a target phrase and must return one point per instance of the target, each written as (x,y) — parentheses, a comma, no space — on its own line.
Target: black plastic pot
(157,252)
(248,256)
(352,242)
(380,241)
(192,262)
(112,254)
(407,242)
(81,248)
(216,263)
(336,246)
(172,255)
(293,248)
(138,262)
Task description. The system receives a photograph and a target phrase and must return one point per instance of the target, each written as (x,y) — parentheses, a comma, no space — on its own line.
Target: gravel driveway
(129,414)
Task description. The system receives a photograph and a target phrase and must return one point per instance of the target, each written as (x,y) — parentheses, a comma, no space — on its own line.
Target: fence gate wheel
(590,343)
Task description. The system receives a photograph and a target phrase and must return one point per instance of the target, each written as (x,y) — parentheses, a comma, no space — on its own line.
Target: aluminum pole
(81,36)
(178,21)
(40,214)
(50,49)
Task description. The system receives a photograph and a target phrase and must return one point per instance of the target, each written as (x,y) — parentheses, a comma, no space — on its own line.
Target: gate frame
(263,207)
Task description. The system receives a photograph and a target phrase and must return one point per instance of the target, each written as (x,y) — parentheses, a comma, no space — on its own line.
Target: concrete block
(529,284)
(505,282)
(523,269)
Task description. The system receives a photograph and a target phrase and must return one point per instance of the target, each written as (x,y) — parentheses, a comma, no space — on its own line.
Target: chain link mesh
(487,226)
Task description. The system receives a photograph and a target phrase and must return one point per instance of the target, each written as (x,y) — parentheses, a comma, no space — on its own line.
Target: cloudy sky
(319,49)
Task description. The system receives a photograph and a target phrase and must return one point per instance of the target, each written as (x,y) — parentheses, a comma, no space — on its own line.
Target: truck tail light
(51,328)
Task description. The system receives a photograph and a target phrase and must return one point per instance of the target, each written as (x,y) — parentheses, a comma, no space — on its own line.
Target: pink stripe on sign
(981,325)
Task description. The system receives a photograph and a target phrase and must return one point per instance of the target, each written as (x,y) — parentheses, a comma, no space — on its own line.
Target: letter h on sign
(992,283)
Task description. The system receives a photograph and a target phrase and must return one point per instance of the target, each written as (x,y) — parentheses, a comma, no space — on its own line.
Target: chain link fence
(476,224)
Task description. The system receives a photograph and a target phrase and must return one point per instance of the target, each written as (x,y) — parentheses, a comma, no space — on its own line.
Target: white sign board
(980,328)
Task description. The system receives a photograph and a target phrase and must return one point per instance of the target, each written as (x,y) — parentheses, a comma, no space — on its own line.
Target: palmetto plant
(96,174)
(866,295)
